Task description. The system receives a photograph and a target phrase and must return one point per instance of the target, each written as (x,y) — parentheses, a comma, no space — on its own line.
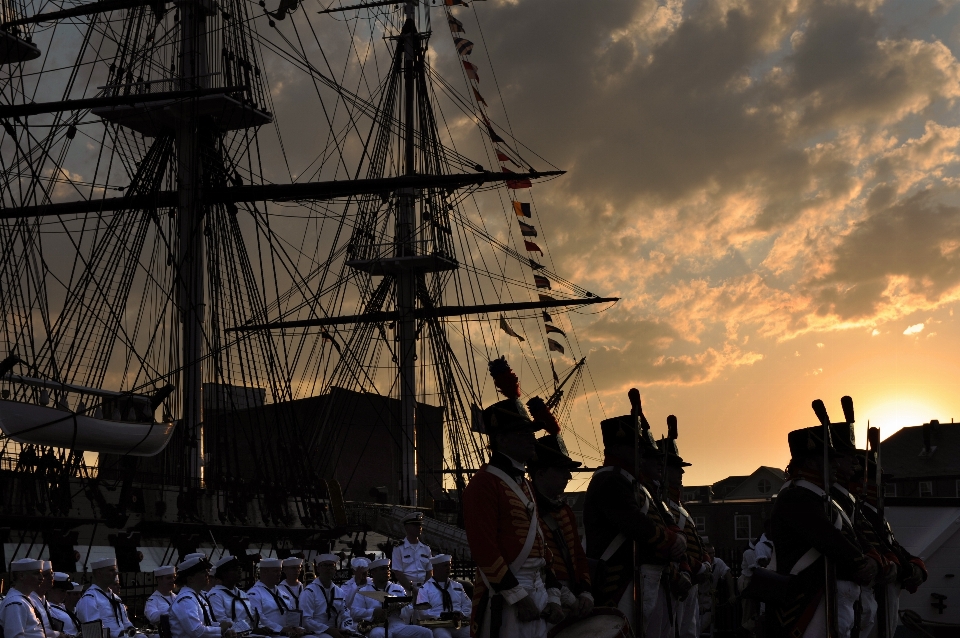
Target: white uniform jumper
(157,605)
(269,604)
(19,616)
(324,607)
(233,605)
(350,590)
(70,623)
(291,594)
(399,623)
(191,616)
(456,599)
(105,606)
(40,602)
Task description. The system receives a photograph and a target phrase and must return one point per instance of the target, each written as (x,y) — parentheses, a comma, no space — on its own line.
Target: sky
(770,186)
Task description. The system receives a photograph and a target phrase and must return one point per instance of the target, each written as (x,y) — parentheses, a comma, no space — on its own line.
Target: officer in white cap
(360,566)
(19,615)
(100,603)
(161,600)
(291,587)
(229,601)
(373,611)
(411,558)
(62,619)
(267,601)
(191,616)
(324,611)
(447,599)
(40,599)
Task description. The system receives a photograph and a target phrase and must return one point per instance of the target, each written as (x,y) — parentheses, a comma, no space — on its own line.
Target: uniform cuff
(514,595)
(553,596)
(587,595)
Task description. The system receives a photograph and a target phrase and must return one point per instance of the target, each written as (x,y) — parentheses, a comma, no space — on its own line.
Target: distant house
(924,461)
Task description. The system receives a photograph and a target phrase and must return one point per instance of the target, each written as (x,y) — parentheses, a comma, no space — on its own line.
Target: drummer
(411,558)
(360,565)
(372,610)
(550,473)
(446,597)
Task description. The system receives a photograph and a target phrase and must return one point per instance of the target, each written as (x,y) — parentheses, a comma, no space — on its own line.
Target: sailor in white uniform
(372,610)
(411,558)
(228,601)
(19,615)
(291,587)
(61,617)
(446,597)
(324,611)
(267,601)
(191,616)
(360,566)
(161,600)
(100,603)
(39,598)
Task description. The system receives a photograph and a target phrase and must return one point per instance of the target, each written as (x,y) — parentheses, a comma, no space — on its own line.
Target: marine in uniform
(803,534)
(161,600)
(411,558)
(322,603)
(398,621)
(502,523)
(291,586)
(229,602)
(692,570)
(191,616)
(62,618)
(629,532)
(19,615)
(269,603)
(360,565)
(446,598)
(100,603)
(550,474)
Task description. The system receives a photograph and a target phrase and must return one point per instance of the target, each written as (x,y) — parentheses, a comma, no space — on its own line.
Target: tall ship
(256,259)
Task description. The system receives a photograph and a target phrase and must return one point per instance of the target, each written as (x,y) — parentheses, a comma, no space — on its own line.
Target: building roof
(905,456)
(763,483)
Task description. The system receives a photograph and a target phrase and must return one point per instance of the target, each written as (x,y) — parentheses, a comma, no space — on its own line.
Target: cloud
(916,328)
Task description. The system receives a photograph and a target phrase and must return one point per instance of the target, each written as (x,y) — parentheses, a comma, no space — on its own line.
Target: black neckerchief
(163,597)
(445,595)
(282,606)
(296,599)
(115,603)
(329,600)
(36,612)
(234,597)
(204,606)
(73,617)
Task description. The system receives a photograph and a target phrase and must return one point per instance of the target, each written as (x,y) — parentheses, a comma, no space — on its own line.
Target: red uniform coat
(570,561)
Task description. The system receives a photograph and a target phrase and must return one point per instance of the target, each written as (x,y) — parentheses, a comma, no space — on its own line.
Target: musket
(636,411)
(828,598)
(880,592)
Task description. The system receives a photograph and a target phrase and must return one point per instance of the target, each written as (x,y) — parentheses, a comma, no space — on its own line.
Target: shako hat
(622,430)
(668,445)
(844,440)
(508,415)
(808,442)
(551,454)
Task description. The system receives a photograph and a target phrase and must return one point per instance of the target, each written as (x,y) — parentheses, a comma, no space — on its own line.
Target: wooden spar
(425,313)
(316,191)
(84,10)
(24,110)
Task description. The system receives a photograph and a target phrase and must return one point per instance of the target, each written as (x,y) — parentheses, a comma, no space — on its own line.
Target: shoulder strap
(531,508)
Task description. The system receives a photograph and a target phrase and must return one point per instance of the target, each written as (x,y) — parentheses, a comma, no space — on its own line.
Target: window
(701,522)
(926,488)
(763,486)
(890,489)
(741,528)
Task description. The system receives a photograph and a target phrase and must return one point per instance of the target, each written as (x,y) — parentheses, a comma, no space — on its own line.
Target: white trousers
(848,593)
(402,631)
(818,625)
(510,625)
(654,597)
(892,608)
(868,617)
(688,614)
(463,632)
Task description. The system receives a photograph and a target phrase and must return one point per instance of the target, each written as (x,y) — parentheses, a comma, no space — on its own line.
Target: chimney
(929,432)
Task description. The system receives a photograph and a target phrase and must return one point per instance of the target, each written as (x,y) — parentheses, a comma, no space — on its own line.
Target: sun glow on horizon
(890,414)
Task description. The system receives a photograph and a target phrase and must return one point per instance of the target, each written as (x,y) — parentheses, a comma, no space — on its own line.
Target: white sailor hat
(328,558)
(441,558)
(26,565)
(190,564)
(270,562)
(359,561)
(381,562)
(224,562)
(103,562)
(60,577)
(415,518)
(195,555)
(47,566)
(76,587)
(292,561)
(166,570)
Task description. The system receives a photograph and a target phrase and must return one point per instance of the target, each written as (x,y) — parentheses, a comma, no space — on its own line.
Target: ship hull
(40,425)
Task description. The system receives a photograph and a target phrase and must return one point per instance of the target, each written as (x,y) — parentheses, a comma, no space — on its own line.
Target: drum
(602,622)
